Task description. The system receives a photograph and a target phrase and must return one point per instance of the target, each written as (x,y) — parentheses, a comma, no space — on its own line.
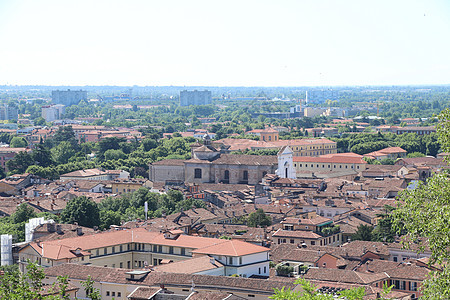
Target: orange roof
(58,252)
(140,235)
(344,159)
(231,248)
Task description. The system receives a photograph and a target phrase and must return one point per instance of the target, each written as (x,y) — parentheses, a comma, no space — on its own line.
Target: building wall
(315,149)
(195,98)
(337,167)
(160,173)
(68,97)
(121,187)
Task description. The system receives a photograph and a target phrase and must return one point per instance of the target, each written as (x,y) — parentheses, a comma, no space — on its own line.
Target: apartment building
(139,248)
(329,163)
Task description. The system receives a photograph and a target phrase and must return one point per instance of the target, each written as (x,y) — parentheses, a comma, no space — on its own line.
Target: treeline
(364,143)
(62,154)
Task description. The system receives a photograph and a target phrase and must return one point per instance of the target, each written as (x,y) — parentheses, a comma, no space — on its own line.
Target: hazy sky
(224,43)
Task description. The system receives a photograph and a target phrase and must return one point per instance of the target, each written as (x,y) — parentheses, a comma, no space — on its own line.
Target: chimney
(59,229)
(79,231)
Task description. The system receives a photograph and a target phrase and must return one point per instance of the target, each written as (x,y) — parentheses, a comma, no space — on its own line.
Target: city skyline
(213,43)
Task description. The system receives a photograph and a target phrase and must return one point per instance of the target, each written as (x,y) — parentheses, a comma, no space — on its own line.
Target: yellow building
(309,147)
(267,135)
(122,185)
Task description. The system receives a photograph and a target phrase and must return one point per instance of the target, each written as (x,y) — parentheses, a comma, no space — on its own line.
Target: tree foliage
(259,218)
(424,212)
(83,211)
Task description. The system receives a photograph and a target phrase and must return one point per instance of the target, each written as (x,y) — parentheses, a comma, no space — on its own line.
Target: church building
(210,165)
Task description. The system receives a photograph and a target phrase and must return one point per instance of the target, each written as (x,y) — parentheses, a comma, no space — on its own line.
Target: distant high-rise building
(68,97)
(8,112)
(195,98)
(53,112)
(321,96)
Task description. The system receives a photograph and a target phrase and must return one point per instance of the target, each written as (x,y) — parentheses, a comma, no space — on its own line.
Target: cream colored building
(139,248)
(329,163)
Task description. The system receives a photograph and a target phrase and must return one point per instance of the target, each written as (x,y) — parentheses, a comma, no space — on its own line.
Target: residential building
(128,185)
(195,98)
(68,97)
(416,130)
(53,112)
(311,112)
(8,112)
(7,153)
(268,134)
(387,153)
(340,162)
(321,96)
(312,231)
(138,248)
(126,284)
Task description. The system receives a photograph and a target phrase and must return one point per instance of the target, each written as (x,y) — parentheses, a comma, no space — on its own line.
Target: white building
(53,112)
(195,98)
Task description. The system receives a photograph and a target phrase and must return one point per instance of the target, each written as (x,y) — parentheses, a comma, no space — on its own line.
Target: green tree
(91,292)
(363,233)
(259,218)
(20,162)
(63,152)
(18,142)
(83,211)
(41,156)
(108,218)
(23,213)
(113,154)
(425,213)
(415,154)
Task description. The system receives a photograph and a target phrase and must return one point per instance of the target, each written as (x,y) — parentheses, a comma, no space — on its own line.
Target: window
(113,294)
(313,243)
(107,293)
(160,248)
(413,286)
(245,175)
(395,258)
(170,250)
(105,251)
(227,175)
(121,265)
(292,241)
(119,294)
(128,264)
(113,249)
(97,253)
(265,270)
(183,251)
(259,270)
(240,260)
(197,173)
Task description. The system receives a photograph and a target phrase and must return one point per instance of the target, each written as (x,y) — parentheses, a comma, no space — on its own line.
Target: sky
(224,43)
